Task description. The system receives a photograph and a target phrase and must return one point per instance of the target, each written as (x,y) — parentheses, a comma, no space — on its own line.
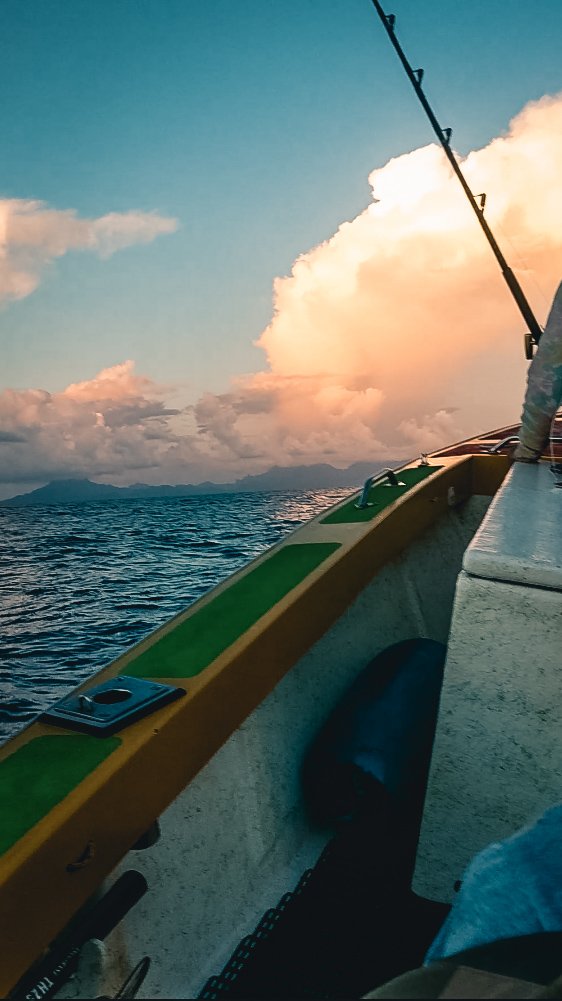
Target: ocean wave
(75,594)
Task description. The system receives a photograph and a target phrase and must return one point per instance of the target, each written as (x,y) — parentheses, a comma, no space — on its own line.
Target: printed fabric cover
(544,387)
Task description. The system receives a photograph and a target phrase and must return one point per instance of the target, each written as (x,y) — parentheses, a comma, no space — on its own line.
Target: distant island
(315,477)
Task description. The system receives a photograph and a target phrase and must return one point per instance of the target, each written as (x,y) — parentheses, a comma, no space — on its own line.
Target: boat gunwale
(219,699)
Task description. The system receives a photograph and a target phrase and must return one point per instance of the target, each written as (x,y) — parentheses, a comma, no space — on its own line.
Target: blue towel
(512,887)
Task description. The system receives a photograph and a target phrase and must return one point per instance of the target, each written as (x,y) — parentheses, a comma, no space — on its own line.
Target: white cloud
(32,235)
(396,335)
(381,333)
(109,425)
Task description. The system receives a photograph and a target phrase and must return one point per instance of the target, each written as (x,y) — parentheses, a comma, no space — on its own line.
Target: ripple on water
(81,583)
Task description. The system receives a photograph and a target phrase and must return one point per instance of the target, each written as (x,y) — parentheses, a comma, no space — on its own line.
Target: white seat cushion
(520,539)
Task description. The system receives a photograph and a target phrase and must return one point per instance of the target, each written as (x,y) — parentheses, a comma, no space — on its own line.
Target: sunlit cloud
(115,427)
(109,425)
(397,335)
(379,334)
(431,432)
(32,235)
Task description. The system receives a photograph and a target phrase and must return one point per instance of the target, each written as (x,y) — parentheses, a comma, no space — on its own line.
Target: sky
(228,239)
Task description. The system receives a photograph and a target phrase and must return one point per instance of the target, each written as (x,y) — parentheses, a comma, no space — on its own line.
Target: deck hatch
(201,637)
(381,496)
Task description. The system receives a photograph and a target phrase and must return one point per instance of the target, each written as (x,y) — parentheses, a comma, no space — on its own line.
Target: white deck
(520,540)
(497,759)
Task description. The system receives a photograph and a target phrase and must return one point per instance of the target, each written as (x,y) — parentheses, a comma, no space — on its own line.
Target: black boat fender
(375,747)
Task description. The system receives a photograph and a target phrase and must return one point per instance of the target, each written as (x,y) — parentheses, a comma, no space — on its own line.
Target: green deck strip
(40,774)
(194,643)
(380,496)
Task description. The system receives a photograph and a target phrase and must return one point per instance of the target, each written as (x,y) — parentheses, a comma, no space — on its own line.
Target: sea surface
(82,582)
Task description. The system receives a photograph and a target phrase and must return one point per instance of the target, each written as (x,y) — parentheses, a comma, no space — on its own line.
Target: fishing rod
(444,135)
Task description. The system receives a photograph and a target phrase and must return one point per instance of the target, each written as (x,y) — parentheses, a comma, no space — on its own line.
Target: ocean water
(82,582)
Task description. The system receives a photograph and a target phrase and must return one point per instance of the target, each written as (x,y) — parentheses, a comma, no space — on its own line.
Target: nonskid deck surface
(351,923)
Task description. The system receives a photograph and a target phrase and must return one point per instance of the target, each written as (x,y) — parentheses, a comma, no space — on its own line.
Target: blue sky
(254,125)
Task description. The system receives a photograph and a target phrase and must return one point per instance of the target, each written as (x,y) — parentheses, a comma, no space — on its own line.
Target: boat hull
(286,651)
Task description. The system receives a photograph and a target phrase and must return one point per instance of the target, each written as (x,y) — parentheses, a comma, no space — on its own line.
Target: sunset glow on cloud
(100,427)
(374,330)
(32,235)
(396,335)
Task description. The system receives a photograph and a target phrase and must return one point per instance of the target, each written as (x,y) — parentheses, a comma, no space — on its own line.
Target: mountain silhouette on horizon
(314,477)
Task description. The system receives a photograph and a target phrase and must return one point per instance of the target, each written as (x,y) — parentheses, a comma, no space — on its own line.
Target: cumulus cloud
(432,431)
(32,235)
(383,336)
(116,427)
(396,335)
(109,425)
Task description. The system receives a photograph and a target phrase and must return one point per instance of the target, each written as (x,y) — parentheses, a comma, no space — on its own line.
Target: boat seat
(497,755)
